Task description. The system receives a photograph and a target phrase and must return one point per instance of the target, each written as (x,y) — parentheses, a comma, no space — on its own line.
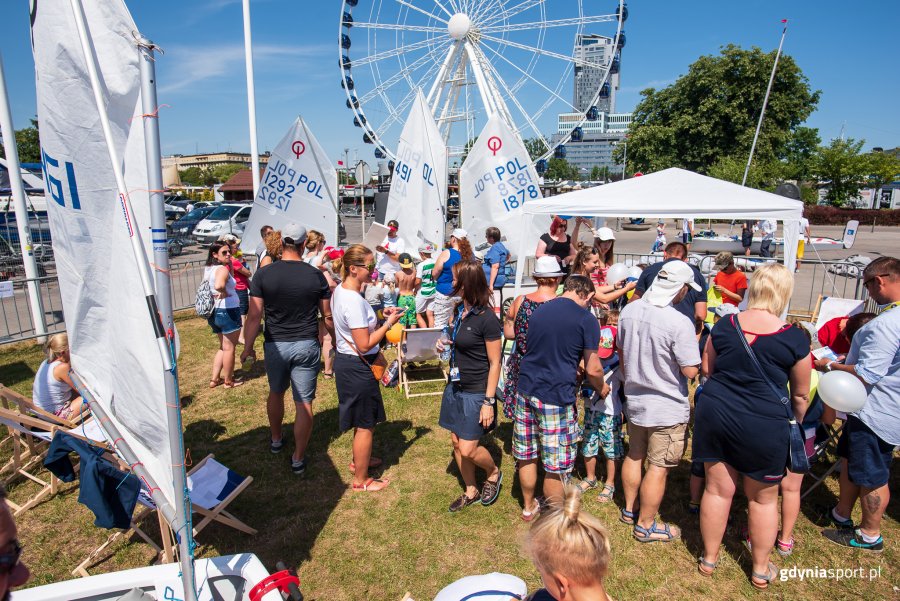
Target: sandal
(528,516)
(371,485)
(587,484)
(606,495)
(233,384)
(327,375)
(645,535)
(629,517)
(373,463)
(767,578)
(784,548)
(706,568)
(216,382)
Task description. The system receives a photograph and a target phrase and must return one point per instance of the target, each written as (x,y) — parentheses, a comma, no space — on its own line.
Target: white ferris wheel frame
(452,60)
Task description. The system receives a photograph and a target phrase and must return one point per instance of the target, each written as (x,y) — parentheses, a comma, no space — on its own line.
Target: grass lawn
(351,546)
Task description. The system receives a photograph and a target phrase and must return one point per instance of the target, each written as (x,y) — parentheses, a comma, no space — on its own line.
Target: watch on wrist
(488,401)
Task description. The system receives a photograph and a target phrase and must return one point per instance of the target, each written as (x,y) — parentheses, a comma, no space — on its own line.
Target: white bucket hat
(668,283)
(547,267)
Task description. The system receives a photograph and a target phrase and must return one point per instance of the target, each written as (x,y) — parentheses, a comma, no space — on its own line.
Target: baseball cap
(459,233)
(393,224)
(604,233)
(668,283)
(428,247)
(724,259)
(293,233)
(335,253)
(547,267)
(607,342)
(405,260)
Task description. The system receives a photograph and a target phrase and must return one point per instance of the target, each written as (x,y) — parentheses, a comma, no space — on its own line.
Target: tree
(28,144)
(222,173)
(561,169)
(883,168)
(712,112)
(799,152)
(193,176)
(763,176)
(843,167)
(535,148)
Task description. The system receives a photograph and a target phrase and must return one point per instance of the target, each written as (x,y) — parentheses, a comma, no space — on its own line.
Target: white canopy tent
(671,193)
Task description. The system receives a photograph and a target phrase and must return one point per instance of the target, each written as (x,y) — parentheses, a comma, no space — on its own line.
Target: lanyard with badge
(893,305)
(454,370)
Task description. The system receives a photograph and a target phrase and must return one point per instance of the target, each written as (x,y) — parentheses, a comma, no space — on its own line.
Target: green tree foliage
(561,169)
(764,176)
(599,173)
(222,173)
(843,167)
(712,111)
(883,168)
(799,152)
(535,148)
(28,144)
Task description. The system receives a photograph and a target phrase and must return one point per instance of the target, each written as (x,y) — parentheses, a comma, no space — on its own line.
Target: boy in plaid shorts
(603,422)
(561,334)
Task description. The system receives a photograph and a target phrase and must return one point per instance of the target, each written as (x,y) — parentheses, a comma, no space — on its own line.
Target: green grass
(351,546)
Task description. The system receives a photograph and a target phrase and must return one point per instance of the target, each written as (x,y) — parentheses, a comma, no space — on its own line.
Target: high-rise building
(594,49)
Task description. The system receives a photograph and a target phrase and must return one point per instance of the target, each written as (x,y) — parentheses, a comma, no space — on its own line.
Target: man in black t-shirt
(291,294)
(693,305)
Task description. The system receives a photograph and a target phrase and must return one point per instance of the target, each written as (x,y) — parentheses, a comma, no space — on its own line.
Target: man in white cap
(658,353)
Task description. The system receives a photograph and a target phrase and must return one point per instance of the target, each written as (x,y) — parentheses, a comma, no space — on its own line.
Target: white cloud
(192,65)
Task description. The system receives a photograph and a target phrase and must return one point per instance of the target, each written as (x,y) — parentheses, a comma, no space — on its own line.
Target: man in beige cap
(730,282)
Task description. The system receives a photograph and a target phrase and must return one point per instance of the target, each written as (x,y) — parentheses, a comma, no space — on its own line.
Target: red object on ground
(279,580)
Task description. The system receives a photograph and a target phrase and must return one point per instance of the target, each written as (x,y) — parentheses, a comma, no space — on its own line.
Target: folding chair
(821,449)
(10,399)
(419,345)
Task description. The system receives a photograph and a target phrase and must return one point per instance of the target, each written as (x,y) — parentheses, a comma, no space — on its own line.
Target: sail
(495,181)
(298,186)
(418,195)
(111,335)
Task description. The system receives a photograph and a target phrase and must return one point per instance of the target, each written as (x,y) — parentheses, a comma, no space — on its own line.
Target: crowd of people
(576,364)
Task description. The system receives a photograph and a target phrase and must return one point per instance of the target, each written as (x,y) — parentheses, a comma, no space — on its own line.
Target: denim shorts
(225,321)
(295,363)
(244,298)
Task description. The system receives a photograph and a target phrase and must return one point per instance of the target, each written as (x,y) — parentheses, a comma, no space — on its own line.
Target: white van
(225,219)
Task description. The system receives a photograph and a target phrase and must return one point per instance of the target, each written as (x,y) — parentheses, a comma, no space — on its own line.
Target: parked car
(173,212)
(225,219)
(186,224)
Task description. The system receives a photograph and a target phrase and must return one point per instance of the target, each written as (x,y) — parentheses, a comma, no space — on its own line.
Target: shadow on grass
(17,373)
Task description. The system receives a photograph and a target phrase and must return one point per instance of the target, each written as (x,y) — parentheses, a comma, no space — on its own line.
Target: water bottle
(446,341)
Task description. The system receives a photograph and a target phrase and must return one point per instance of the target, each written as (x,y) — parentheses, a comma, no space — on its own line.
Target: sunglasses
(8,561)
(873,278)
(369,266)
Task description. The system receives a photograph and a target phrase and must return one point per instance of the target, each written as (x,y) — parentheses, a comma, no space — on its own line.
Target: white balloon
(635,272)
(842,391)
(616,273)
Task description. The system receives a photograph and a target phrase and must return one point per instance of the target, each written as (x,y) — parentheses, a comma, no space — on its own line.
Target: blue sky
(845,49)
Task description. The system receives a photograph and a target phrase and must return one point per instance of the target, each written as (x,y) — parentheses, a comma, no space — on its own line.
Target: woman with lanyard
(558,243)
(469,404)
(356,329)
(458,250)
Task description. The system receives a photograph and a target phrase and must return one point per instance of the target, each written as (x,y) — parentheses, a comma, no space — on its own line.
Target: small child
(603,418)
(570,549)
(660,242)
(406,282)
(373,294)
(389,291)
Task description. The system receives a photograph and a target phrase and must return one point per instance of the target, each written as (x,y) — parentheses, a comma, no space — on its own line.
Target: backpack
(205,303)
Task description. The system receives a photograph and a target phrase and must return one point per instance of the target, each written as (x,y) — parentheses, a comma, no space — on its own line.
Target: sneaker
(298,467)
(853,539)
(491,490)
(275,446)
(840,524)
(463,501)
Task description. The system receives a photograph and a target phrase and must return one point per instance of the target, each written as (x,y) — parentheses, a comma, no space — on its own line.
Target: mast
(147,285)
(251,98)
(21,211)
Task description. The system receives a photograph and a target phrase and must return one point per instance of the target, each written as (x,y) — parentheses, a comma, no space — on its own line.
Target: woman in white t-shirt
(226,318)
(357,336)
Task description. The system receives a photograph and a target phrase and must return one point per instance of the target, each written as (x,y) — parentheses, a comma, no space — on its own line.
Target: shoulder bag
(799,462)
(378,366)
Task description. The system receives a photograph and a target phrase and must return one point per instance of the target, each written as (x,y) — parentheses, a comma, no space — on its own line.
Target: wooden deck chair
(419,345)
(34,435)
(10,399)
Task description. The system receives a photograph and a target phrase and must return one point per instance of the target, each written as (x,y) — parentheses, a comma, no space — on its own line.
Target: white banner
(298,186)
(495,182)
(418,195)
(111,335)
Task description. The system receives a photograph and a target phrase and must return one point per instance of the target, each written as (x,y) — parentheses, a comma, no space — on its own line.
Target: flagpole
(18,192)
(762,113)
(181,524)
(251,98)
(143,268)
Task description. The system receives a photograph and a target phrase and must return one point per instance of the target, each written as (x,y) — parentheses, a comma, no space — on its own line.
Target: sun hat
(726,309)
(459,233)
(393,224)
(547,267)
(405,260)
(428,247)
(668,283)
(604,233)
(607,342)
(293,233)
(724,259)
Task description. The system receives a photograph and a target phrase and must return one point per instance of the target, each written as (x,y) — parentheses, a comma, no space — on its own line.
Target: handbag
(798,462)
(378,366)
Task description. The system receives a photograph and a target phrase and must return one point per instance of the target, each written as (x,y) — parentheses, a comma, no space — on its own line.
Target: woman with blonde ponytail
(571,550)
(53,390)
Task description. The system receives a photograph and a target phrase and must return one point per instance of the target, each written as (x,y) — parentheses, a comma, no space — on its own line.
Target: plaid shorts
(603,431)
(554,427)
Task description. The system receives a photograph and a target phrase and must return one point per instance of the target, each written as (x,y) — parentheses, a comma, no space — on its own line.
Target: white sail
(418,195)
(495,182)
(298,186)
(111,335)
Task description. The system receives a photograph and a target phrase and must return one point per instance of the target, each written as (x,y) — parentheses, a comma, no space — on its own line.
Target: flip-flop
(366,486)
(233,384)
(373,463)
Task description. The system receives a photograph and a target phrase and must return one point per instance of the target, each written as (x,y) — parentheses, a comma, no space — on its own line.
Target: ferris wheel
(475,58)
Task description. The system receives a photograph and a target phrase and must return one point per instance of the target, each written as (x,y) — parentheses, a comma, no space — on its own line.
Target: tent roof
(670,193)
